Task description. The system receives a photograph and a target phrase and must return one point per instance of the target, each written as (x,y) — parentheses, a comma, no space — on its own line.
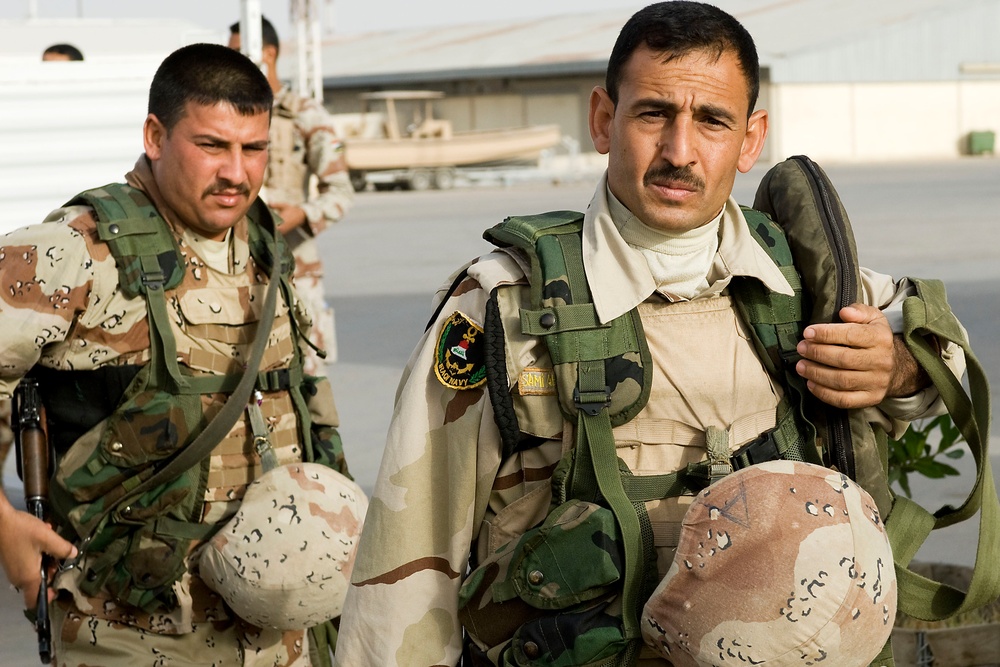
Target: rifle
(33,468)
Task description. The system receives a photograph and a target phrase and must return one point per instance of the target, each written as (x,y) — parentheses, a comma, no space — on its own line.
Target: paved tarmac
(384,262)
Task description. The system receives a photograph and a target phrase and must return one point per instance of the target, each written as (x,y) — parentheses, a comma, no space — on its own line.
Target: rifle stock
(33,452)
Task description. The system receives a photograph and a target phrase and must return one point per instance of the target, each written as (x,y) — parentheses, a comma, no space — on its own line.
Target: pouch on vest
(550,597)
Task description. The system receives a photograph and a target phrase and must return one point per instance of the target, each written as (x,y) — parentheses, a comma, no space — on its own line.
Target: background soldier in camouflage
(66,312)
(663,235)
(303,145)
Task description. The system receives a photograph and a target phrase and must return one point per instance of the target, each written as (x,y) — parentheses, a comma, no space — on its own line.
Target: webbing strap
(575,317)
(920,597)
(163,348)
(185,530)
(909,526)
(655,487)
(572,257)
(596,430)
(780,442)
(597,465)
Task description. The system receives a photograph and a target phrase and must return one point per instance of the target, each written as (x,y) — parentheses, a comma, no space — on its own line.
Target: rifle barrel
(33,448)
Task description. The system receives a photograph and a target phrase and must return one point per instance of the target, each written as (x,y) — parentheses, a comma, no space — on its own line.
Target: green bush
(916,452)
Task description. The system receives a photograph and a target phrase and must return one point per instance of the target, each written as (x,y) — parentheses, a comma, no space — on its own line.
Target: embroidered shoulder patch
(460,361)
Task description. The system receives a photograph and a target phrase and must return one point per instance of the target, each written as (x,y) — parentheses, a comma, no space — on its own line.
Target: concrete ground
(386,259)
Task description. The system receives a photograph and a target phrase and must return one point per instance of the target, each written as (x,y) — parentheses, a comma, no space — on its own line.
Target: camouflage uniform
(61,308)
(302,143)
(443,493)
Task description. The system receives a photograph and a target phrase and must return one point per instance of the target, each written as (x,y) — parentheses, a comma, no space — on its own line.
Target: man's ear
(753,141)
(153,135)
(269,54)
(602,113)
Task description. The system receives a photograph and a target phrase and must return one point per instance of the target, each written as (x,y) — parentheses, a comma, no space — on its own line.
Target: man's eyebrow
(219,141)
(212,138)
(657,103)
(660,104)
(715,111)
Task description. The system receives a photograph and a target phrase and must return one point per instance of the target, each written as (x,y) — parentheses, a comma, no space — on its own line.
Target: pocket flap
(222,305)
(572,557)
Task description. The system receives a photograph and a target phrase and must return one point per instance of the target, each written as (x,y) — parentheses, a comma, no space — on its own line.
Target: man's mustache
(669,172)
(220,187)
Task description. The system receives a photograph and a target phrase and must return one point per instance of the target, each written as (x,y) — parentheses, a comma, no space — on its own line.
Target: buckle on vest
(592,402)
(277,380)
(764,448)
(153,281)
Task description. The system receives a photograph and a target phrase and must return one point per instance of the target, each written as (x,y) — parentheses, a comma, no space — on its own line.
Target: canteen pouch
(558,583)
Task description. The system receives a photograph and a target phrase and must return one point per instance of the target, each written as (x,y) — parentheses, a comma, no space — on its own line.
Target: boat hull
(461,149)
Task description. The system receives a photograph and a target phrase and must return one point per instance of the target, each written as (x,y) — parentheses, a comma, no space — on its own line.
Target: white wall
(859,122)
(66,127)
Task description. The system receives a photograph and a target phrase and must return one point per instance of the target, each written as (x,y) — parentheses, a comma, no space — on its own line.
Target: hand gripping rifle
(33,467)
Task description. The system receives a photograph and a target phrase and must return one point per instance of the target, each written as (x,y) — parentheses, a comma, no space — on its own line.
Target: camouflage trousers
(79,640)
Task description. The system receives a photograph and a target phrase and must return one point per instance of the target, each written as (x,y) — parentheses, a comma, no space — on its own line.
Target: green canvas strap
(142,245)
(597,464)
(928,315)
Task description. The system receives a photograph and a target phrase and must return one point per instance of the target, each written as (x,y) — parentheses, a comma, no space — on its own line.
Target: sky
(345,16)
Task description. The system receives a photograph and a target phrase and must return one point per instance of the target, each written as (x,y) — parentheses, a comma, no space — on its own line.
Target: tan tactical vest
(287,177)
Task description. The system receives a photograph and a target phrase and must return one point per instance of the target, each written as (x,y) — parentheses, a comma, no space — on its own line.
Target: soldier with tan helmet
(577,387)
(303,147)
(158,319)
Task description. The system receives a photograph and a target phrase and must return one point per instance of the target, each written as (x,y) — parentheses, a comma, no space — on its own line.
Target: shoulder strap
(149,263)
(777,319)
(776,322)
(142,244)
(563,315)
(588,357)
(926,315)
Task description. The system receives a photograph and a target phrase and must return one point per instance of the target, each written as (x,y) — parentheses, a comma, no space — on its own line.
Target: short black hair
(67,50)
(207,74)
(268,35)
(678,28)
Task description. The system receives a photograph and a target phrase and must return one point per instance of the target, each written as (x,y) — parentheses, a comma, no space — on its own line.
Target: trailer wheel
(419,180)
(359,181)
(444,178)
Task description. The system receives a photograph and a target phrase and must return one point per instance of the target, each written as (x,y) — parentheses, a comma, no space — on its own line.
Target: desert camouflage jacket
(444,497)
(61,308)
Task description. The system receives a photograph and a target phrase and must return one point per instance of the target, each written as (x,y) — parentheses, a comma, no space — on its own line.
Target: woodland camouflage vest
(589,615)
(134,547)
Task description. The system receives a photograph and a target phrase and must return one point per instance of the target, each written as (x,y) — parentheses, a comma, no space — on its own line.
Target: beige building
(846,81)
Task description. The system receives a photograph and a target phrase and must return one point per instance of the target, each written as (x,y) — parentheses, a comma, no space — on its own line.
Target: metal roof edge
(569,68)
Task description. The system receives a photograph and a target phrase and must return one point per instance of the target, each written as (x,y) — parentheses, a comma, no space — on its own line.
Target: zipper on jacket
(835,227)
